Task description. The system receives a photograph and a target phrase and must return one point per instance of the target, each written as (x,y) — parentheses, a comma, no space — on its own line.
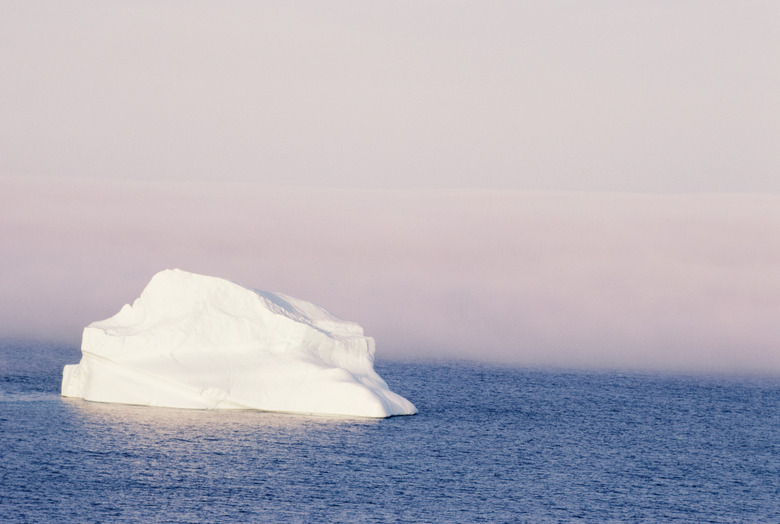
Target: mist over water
(616,281)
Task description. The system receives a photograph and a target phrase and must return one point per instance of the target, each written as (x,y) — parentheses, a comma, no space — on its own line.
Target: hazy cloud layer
(661,96)
(594,280)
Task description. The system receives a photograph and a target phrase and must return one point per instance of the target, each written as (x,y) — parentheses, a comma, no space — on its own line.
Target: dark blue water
(490,444)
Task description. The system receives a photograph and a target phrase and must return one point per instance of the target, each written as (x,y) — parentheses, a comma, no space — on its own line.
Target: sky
(564,183)
(608,95)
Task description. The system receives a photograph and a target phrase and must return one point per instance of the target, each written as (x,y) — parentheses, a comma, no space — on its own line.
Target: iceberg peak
(195,341)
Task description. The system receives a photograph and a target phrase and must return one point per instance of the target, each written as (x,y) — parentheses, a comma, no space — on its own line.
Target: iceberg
(201,342)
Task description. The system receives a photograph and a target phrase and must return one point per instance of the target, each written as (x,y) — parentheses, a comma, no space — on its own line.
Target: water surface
(490,444)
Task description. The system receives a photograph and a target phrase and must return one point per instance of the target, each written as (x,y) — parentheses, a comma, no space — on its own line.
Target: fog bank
(574,280)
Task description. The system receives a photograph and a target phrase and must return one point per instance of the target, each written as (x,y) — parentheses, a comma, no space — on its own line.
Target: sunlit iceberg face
(193,341)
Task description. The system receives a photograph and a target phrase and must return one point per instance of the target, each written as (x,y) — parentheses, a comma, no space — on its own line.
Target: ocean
(490,444)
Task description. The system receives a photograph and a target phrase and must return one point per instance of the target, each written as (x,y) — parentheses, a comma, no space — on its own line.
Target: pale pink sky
(604,95)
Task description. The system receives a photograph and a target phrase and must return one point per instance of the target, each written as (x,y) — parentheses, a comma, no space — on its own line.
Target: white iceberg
(194,341)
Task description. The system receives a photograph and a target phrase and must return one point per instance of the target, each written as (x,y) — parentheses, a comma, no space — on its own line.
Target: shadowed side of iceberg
(192,341)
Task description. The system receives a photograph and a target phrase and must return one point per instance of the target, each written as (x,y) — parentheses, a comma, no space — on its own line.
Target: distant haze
(593,280)
(563,95)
